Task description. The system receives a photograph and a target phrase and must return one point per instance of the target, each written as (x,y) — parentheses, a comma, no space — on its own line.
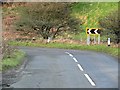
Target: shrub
(110,24)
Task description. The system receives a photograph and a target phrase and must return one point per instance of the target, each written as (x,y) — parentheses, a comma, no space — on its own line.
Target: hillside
(89,13)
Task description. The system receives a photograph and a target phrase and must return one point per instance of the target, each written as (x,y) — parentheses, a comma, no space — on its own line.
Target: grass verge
(14,61)
(98,48)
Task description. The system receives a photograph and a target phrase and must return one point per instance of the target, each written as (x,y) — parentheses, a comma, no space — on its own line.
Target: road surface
(58,68)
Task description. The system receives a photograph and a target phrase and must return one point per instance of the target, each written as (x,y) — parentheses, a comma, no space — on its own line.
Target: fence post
(108,41)
(49,39)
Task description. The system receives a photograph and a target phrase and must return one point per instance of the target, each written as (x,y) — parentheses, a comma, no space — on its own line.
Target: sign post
(88,39)
(99,39)
(94,39)
(94,32)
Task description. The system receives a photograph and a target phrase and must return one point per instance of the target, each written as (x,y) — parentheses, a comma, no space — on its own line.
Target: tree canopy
(48,19)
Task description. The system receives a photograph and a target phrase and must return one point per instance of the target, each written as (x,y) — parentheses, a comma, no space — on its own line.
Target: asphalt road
(58,68)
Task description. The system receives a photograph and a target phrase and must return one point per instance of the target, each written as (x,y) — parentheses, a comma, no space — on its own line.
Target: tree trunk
(54,35)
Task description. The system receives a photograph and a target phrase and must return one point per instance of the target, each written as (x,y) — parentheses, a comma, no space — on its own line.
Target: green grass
(98,48)
(14,61)
(93,11)
(90,14)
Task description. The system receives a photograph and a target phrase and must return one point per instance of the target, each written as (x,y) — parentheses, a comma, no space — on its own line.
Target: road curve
(59,68)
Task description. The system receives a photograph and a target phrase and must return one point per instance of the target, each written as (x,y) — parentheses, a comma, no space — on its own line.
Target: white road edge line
(90,80)
(75,59)
(80,67)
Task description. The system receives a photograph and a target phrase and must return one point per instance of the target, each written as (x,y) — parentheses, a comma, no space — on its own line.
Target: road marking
(89,79)
(80,67)
(67,52)
(75,59)
(71,55)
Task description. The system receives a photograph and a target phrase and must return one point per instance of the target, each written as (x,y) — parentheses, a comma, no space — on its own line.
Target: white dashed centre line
(80,67)
(90,80)
(67,52)
(71,55)
(75,59)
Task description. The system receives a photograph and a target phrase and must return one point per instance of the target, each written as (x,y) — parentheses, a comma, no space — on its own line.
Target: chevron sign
(93,31)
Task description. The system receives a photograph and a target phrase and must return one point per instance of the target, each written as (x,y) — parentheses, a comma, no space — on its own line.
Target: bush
(48,19)
(110,24)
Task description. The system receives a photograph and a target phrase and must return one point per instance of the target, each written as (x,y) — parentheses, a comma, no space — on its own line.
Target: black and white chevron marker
(93,31)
